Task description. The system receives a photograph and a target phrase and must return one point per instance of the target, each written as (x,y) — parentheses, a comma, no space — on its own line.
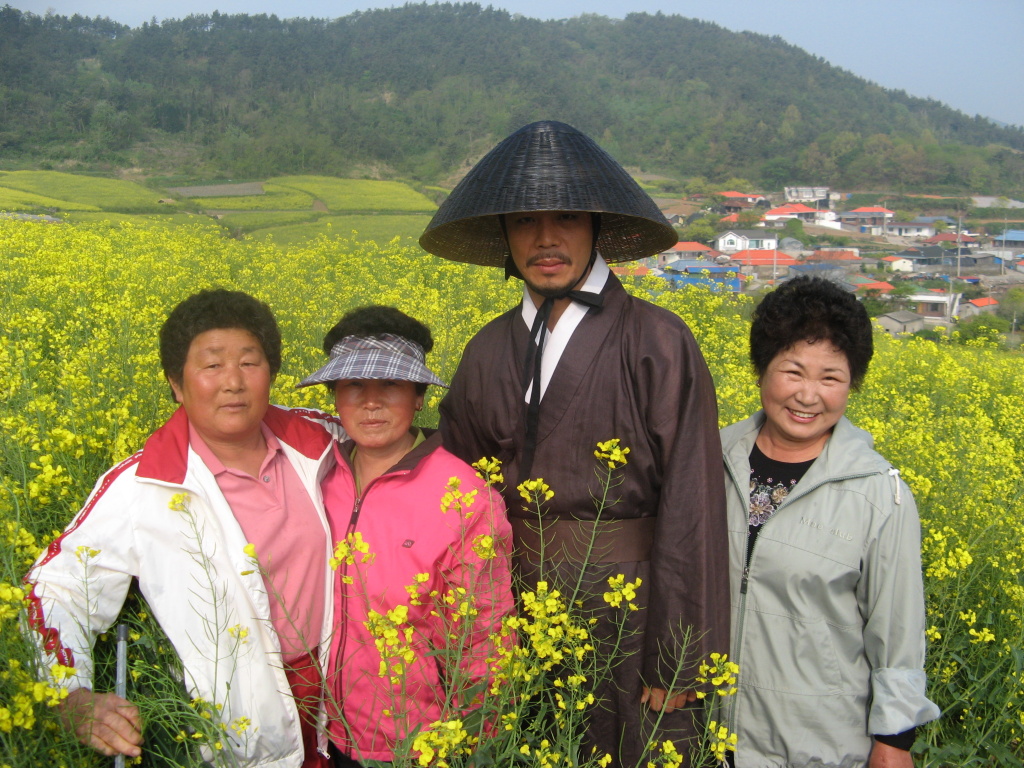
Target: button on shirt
(278,517)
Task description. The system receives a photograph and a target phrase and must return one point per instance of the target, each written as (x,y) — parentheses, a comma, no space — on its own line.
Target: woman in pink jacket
(422,546)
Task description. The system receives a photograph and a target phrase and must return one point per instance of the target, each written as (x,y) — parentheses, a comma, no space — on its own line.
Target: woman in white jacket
(828,602)
(221,520)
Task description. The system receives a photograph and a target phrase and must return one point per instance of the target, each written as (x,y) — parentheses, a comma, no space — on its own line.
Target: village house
(817,197)
(984,305)
(910,229)
(870,220)
(687,249)
(763,263)
(936,304)
(900,323)
(734,240)
(790,211)
(738,202)
(1012,239)
(744,197)
(862,287)
(841,260)
(924,258)
(842,252)
(981,262)
(897,263)
(952,238)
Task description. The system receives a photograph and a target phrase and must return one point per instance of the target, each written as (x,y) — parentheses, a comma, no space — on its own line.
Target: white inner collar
(558,337)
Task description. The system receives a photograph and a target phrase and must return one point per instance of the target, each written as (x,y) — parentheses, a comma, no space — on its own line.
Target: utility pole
(958,218)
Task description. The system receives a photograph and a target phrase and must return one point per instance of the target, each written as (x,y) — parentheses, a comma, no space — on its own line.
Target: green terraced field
(85,192)
(341,195)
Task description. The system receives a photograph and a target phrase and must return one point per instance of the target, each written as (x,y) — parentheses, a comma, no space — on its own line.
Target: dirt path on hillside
(220,190)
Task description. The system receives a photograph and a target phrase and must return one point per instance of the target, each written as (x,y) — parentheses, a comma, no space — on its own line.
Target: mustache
(559,255)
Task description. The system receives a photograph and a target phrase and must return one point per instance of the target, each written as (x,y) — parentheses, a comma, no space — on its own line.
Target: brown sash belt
(568,539)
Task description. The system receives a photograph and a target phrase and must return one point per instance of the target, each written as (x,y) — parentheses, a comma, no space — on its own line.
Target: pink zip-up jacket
(399,517)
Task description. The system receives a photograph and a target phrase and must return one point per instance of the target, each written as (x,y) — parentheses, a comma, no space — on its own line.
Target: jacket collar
(165,454)
(409,462)
(848,452)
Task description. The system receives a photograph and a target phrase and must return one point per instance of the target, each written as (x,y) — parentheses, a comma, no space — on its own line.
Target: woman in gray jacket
(827,596)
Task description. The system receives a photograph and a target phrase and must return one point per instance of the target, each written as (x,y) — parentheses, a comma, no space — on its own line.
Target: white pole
(121,679)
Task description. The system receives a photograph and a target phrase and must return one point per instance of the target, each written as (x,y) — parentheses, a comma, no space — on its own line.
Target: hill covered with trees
(419,91)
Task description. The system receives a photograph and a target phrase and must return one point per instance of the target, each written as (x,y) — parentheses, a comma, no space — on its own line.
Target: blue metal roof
(733,284)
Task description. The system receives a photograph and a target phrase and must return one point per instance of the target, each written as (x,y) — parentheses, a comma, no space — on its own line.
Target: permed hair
(211,310)
(811,309)
(376,320)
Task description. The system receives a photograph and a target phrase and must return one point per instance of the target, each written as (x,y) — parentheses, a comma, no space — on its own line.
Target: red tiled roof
(882,286)
(950,237)
(754,258)
(735,194)
(638,270)
(689,245)
(985,301)
(789,208)
(732,218)
(893,258)
(872,209)
(835,255)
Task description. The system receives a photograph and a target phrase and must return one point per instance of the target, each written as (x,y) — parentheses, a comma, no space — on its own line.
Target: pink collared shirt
(279,519)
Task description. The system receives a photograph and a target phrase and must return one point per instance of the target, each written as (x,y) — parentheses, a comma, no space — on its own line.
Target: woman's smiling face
(804,393)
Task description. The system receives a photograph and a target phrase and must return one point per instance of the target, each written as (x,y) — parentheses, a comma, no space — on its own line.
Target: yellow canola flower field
(81,388)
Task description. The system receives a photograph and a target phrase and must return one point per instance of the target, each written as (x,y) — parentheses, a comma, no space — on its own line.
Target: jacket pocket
(790,655)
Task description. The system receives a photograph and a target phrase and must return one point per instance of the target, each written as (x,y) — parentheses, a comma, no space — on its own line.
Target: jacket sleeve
(478,563)
(690,558)
(78,585)
(891,598)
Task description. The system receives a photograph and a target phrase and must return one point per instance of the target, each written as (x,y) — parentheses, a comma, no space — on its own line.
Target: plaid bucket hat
(546,166)
(382,357)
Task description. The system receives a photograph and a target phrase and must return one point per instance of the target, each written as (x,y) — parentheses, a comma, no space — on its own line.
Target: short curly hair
(211,310)
(374,321)
(811,309)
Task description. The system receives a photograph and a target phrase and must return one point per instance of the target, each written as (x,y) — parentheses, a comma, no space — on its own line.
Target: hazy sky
(966,53)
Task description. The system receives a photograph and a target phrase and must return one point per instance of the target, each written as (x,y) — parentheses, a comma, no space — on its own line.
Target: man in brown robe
(579,362)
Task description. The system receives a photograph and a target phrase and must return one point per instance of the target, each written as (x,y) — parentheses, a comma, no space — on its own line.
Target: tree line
(418,91)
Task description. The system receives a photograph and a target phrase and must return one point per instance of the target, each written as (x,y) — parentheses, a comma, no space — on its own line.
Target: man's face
(551,249)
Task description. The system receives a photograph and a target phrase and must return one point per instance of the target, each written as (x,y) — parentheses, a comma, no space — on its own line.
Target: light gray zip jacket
(828,619)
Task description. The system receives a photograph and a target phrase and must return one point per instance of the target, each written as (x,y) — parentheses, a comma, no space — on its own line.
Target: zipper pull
(354,517)
(743,582)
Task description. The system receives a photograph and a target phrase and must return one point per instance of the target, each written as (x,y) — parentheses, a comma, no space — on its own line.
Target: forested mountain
(419,91)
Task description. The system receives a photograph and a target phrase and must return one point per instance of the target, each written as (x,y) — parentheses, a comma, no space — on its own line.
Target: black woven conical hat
(546,166)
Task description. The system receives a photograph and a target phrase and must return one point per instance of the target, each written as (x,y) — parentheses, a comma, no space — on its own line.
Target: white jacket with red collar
(191,566)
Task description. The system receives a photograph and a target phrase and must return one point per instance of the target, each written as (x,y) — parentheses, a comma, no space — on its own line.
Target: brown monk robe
(631,371)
